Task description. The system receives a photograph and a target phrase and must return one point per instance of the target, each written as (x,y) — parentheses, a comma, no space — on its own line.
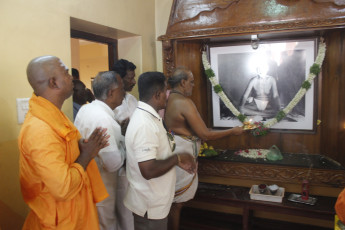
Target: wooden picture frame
(287,63)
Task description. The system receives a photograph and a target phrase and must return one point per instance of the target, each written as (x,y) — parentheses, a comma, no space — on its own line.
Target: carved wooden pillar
(168,57)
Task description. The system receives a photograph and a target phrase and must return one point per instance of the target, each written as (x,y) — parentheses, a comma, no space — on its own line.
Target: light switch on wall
(22,109)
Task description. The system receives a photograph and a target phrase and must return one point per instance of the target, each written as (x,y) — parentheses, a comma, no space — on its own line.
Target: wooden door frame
(110,42)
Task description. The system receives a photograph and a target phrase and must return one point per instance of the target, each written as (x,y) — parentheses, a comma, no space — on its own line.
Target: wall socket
(22,109)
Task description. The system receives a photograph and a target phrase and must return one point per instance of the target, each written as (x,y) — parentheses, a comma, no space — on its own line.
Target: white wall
(31,28)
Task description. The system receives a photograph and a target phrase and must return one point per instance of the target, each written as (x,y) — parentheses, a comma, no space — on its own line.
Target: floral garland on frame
(313,72)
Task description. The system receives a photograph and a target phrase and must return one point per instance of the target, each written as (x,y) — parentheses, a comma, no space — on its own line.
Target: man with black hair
(75,74)
(150,162)
(126,70)
(79,96)
(122,114)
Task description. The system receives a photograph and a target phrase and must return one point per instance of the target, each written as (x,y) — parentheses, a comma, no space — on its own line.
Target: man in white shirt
(122,114)
(109,92)
(150,162)
(126,71)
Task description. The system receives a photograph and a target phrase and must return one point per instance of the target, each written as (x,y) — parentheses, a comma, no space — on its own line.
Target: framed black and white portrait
(260,82)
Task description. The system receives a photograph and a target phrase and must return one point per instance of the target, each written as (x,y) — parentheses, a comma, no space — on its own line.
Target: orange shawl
(58,133)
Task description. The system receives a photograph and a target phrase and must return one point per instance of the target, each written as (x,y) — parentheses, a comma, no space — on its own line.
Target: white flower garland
(211,76)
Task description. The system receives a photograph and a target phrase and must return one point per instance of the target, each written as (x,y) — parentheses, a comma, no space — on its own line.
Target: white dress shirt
(98,114)
(126,109)
(109,160)
(146,139)
(124,216)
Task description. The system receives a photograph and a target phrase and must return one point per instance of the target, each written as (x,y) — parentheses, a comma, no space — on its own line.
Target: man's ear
(157,94)
(52,83)
(110,93)
(183,82)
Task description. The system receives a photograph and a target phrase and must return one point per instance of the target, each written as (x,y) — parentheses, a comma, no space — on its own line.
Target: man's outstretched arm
(198,126)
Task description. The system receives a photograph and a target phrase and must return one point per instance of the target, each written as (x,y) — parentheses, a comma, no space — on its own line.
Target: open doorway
(89,58)
(96,47)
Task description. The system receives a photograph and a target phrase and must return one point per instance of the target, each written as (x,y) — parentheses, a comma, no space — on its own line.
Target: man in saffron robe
(59,179)
(340,206)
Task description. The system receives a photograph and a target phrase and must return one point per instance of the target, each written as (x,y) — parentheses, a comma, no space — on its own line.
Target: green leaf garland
(315,69)
(209,73)
(217,88)
(280,115)
(242,117)
(306,85)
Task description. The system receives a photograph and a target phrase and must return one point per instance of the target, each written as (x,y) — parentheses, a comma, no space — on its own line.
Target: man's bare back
(183,118)
(178,108)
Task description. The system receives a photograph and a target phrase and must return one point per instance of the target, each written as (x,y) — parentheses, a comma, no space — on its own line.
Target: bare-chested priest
(183,118)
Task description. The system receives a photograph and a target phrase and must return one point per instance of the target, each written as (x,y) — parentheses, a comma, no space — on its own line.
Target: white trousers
(106,208)
(125,219)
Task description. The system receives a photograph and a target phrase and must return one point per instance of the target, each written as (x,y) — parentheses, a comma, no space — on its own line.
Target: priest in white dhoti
(122,114)
(108,90)
(183,119)
(186,183)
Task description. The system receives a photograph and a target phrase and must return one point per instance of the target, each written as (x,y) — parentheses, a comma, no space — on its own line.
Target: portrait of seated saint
(261,97)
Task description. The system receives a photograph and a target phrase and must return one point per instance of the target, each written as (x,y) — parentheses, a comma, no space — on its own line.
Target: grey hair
(103,82)
(180,73)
